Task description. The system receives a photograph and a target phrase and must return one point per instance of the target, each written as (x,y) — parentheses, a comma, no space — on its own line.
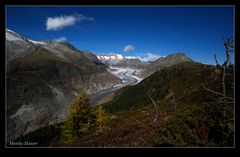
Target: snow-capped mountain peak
(110,56)
(111,59)
(119,60)
(13,36)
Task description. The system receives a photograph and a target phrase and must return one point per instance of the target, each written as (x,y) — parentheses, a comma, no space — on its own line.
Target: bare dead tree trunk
(215,57)
(228,45)
(228,48)
(224,91)
(156,109)
(217,93)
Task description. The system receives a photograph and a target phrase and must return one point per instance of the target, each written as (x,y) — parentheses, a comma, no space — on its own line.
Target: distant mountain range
(119,60)
(147,68)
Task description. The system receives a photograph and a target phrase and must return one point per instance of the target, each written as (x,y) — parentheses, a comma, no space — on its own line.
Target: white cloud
(57,23)
(131,57)
(128,48)
(61,39)
(151,57)
(146,57)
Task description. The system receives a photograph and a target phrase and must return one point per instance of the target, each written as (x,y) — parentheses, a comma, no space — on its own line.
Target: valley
(128,77)
(140,103)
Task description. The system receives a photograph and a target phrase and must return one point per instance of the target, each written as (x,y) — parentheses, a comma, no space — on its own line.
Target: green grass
(181,79)
(197,109)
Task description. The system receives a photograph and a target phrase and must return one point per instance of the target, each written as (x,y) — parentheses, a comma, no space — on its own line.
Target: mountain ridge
(164,62)
(42,79)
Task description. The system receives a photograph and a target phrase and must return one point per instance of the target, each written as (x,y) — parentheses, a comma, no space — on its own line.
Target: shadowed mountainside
(43,78)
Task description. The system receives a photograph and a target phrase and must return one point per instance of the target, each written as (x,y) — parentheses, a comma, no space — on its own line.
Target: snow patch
(11,31)
(118,56)
(37,42)
(110,57)
(11,37)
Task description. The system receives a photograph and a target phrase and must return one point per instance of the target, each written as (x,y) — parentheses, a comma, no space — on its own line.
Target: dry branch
(156,108)
(217,93)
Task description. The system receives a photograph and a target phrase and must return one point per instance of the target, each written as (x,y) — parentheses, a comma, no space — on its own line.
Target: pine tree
(83,119)
(101,118)
(80,120)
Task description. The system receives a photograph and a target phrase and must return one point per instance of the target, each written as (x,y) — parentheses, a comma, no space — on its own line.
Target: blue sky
(146,32)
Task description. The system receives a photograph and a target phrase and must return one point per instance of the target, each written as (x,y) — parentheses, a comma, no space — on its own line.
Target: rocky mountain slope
(15,44)
(164,62)
(43,77)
